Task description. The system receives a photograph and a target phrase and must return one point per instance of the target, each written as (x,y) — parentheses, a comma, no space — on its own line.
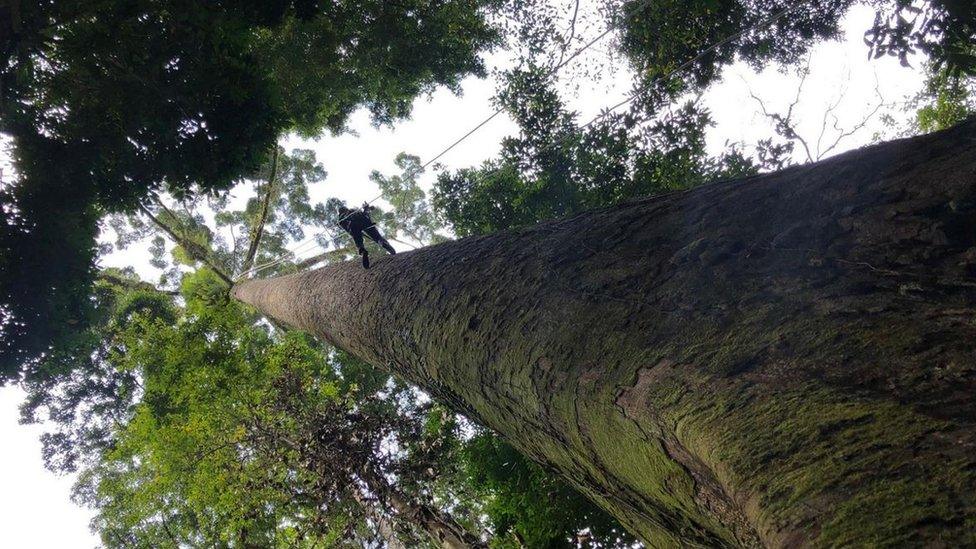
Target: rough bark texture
(783,360)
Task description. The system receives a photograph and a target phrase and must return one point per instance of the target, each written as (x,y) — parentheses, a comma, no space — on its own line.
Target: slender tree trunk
(196,251)
(442,528)
(258,230)
(783,360)
(384,526)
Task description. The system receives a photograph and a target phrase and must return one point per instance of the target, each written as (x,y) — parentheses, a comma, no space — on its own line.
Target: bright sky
(35,511)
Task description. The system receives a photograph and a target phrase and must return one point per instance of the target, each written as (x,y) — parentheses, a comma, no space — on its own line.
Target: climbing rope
(304,244)
(552,72)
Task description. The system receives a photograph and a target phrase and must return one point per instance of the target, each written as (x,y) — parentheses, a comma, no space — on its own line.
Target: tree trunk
(442,529)
(783,360)
(258,230)
(384,527)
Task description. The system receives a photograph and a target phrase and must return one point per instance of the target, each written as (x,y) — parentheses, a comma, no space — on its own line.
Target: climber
(357,222)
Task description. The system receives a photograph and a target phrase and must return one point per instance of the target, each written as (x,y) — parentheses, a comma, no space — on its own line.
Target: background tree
(668,33)
(107,101)
(556,167)
(946,101)
(237,437)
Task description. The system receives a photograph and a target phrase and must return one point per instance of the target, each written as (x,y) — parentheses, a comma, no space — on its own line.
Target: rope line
(603,114)
(637,8)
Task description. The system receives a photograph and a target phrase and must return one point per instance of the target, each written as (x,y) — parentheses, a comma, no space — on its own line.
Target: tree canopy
(669,33)
(109,102)
(555,166)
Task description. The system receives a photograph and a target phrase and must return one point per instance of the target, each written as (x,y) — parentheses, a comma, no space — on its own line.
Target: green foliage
(530,507)
(47,249)
(156,92)
(186,463)
(180,471)
(110,101)
(143,304)
(944,30)
(203,291)
(669,33)
(411,214)
(193,425)
(77,387)
(373,53)
(554,167)
(946,101)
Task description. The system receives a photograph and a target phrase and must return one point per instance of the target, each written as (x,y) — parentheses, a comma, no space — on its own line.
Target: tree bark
(777,361)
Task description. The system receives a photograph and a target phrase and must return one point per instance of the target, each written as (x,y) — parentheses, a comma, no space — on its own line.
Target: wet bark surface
(778,361)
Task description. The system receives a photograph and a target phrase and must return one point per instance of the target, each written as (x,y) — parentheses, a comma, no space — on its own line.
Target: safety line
(603,114)
(284,257)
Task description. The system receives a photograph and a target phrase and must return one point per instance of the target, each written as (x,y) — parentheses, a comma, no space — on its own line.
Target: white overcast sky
(35,511)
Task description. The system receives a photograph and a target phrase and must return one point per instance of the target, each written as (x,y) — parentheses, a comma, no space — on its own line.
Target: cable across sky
(636,9)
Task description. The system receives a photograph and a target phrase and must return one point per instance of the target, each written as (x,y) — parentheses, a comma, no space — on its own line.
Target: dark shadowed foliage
(110,101)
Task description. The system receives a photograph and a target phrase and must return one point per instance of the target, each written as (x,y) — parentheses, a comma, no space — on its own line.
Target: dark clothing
(374,234)
(354,221)
(358,222)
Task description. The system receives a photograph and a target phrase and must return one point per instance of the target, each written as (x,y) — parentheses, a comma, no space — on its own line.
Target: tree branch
(784,124)
(131,284)
(857,127)
(258,230)
(190,247)
(570,35)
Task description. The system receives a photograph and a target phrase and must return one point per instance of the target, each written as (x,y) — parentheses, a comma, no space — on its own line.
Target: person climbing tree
(357,222)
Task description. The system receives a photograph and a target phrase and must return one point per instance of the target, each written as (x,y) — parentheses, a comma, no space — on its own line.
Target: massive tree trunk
(780,361)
